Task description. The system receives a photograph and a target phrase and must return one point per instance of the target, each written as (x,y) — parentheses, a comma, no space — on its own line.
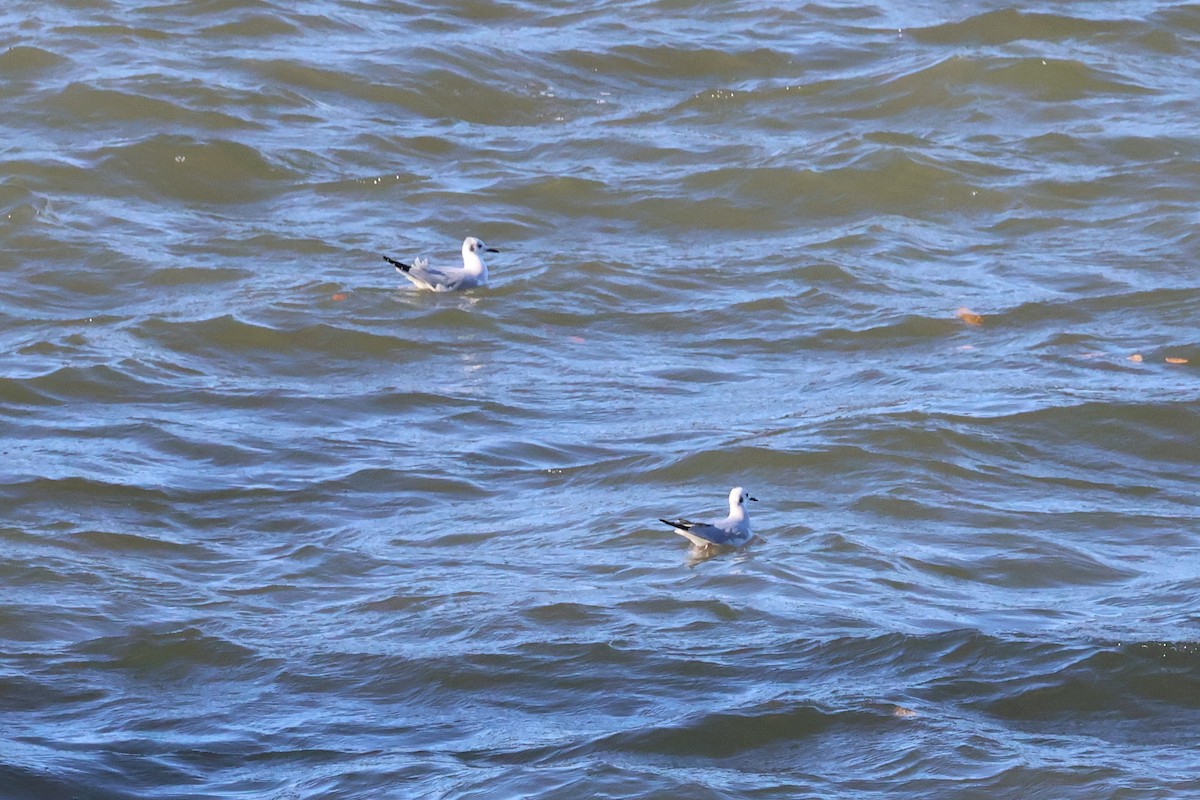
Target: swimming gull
(733,531)
(472,274)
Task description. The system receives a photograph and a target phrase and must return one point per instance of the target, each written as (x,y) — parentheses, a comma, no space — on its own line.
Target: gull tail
(400,266)
(683,528)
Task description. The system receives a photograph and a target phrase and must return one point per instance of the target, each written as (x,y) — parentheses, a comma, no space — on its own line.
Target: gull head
(738,497)
(476,246)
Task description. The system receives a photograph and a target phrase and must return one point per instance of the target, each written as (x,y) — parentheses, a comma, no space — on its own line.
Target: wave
(184,168)
(1009,24)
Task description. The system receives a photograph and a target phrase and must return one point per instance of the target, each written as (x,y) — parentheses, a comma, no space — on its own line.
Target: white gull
(733,531)
(472,274)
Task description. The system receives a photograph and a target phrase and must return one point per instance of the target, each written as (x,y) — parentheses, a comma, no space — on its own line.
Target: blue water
(921,277)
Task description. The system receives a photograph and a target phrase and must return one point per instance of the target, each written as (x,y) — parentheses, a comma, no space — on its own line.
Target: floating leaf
(968,316)
(901,711)
(1136,358)
(338,297)
(1172,360)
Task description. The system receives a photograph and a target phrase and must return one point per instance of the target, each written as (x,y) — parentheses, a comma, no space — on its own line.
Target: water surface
(275,525)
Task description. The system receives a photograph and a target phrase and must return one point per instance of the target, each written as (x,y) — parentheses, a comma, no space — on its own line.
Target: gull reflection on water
(698,555)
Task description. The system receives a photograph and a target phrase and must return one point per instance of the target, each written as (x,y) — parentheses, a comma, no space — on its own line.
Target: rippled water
(275,525)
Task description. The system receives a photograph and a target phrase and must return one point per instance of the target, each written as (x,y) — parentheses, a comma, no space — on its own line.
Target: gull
(471,274)
(733,531)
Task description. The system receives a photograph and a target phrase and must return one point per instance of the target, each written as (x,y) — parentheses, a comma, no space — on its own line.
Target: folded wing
(700,534)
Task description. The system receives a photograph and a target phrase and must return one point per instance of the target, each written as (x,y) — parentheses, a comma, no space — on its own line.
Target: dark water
(276,526)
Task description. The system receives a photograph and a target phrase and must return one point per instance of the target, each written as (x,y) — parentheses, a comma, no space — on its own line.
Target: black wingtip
(398,265)
(672,524)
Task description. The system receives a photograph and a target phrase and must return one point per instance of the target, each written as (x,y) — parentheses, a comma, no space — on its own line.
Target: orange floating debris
(1136,358)
(338,297)
(968,316)
(1171,360)
(901,711)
